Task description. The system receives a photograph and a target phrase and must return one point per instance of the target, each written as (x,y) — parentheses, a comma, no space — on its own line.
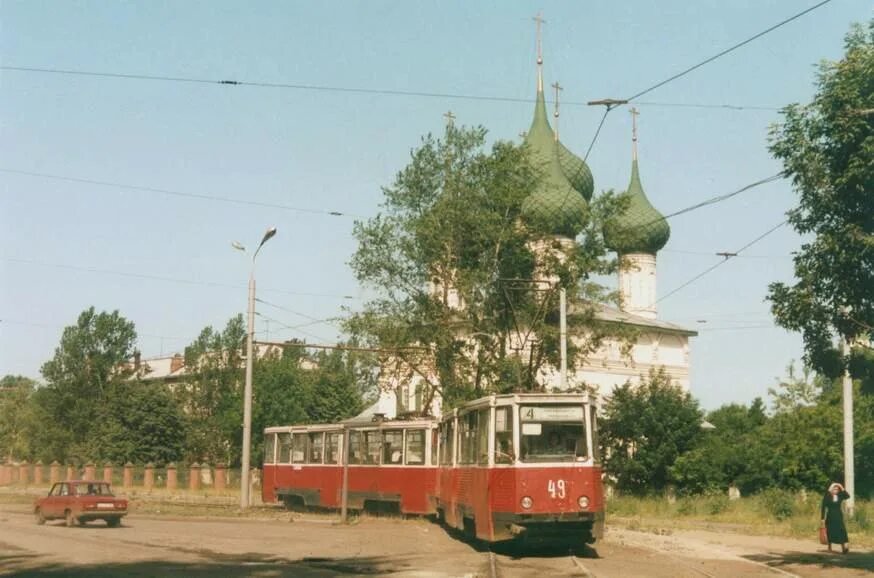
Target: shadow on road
(851,560)
(230,566)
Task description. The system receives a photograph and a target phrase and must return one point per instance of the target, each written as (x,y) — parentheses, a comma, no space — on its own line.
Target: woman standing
(833,518)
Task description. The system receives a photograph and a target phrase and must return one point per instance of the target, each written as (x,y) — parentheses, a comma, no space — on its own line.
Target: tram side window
(596,440)
(356,447)
(504,436)
(435,441)
(299,448)
(393,447)
(482,437)
(373,442)
(333,448)
(447,442)
(269,448)
(317,447)
(468,437)
(415,447)
(284,448)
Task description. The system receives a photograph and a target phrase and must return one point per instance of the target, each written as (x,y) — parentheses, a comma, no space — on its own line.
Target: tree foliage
(450,232)
(827,149)
(90,360)
(15,415)
(211,393)
(140,423)
(647,427)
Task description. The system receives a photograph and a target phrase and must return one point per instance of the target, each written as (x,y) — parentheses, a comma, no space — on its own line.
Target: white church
(555,204)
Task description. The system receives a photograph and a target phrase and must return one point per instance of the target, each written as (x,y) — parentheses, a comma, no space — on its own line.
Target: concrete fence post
(5,476)
(149,476)
(107,472)
(23,472)
(221,477)
(90,471)
(171,476)
(194,477)
(37,473)
(205,475)
(71,472)
(128,476)
(54,472)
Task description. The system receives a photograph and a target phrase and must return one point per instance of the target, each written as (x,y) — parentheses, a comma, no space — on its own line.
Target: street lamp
(250,362)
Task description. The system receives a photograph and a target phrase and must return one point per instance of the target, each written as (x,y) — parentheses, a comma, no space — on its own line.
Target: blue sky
(332,151)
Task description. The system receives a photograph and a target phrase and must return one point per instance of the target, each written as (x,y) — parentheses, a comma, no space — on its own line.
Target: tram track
(569,565)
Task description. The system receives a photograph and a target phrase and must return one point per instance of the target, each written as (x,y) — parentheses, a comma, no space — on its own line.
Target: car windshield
(93,490)
(552,433)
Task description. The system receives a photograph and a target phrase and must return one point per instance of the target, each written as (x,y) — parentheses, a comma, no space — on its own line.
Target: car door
(47,504)
(62,500)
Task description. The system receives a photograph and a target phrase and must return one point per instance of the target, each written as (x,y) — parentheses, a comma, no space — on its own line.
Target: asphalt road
(165,546)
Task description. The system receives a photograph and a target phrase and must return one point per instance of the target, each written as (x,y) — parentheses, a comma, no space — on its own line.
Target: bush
(716,503)
(779,504)
(686,507)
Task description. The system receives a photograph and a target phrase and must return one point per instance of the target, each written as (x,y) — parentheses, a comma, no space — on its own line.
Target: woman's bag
(823,535)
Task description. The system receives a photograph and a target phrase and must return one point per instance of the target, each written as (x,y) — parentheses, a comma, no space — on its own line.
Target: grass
(773,513)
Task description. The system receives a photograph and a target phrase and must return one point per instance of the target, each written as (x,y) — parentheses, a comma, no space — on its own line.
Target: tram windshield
(552,433)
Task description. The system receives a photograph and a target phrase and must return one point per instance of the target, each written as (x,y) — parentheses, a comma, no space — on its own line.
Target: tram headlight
(527,502)
(583,502)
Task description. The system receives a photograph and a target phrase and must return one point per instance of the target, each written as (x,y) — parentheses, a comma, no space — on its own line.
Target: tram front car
(543,481)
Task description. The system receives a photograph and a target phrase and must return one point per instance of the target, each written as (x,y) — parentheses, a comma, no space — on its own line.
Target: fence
(145,477)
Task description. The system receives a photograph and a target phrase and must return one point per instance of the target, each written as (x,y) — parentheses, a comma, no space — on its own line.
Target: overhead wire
(354,90)
(176,193)
(166,279)
(727,50)
(613,103)
(725,259)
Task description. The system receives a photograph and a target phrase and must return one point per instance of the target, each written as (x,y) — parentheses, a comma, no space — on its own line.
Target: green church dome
(554,207)
(575,169)
(577,172)
(641,228)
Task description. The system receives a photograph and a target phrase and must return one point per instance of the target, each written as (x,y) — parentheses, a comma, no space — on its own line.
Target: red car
(81,501)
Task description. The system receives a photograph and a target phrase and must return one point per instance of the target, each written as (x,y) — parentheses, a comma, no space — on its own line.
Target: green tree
(795,391)
(450,231)
(16,392)
(138,422)
(646,428)
(91,359)
(212,394)
(827,149)
(723,455)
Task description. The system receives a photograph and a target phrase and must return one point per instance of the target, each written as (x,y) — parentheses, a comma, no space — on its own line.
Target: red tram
(521,466)
(390,463)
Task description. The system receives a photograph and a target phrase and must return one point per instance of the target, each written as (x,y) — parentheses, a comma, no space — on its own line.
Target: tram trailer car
(392,465)
(524,467)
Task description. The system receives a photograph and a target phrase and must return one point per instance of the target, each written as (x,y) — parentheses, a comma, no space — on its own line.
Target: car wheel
(113,522)
(70,518)
(40,519)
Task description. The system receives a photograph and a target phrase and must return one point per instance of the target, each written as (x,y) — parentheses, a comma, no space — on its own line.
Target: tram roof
(522,398)
(354,424)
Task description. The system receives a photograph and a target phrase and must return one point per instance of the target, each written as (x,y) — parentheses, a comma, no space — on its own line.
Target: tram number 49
(557,488)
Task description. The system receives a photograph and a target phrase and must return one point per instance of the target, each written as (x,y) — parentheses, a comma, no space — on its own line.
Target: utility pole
(562,304)
(245,498)
(849,473)
(344,489)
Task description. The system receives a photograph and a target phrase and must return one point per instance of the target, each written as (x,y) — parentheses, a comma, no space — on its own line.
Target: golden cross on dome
(634,114)
(539,21)
(558,88)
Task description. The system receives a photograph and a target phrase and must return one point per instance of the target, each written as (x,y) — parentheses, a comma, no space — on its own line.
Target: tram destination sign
(552,413)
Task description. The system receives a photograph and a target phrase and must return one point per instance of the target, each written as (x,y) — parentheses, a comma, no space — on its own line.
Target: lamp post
(250,362)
